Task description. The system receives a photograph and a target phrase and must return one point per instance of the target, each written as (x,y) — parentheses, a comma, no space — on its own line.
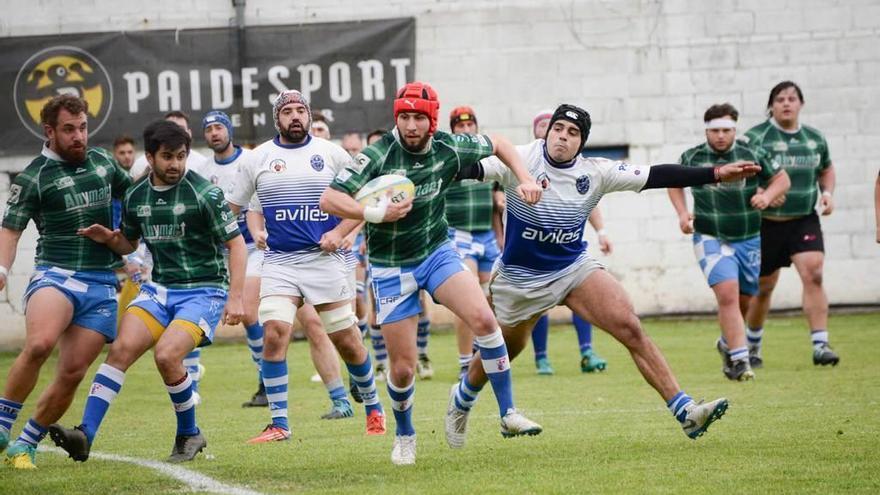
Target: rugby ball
(396,186)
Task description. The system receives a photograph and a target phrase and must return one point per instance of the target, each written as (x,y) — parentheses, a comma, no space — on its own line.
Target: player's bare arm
(598,223)
(344,206)
(335,238)
(256,224)
(827,181)
(776,188)
(685,218)
(528,189)
(113,239)
(234,310)
(8,245)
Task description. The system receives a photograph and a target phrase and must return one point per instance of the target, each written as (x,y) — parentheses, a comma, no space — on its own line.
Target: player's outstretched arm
(338,237)
(685,218)
(8,245)
(528,188)
(776,189)
(344,206)
(598,223)
(112,238)
(234,309)
(662,176)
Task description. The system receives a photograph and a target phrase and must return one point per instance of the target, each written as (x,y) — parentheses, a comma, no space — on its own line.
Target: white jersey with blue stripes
(285,182)
(543,242)
(223,174)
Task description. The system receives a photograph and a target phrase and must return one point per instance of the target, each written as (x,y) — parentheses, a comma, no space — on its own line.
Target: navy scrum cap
(577,116)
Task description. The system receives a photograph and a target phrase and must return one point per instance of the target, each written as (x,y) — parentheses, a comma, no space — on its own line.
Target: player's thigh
(400,339)
(809,265)
(47,314)
(178,340)
(78,348)
(461,293)
(307,316)
(251,295)
(727,292)
(138,332)
(601,299)
(517,337)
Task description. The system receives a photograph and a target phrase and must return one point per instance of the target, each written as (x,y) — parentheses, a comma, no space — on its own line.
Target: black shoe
(355,392)
(186,447)
(726,363)
(259,399)
(824,356)
(740,371)
(73,440)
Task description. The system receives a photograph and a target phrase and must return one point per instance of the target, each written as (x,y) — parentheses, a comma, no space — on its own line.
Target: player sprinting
(185,222)
(726,228)
(545,262)
(304,263)
(410,250)
(590,361)
(70,299)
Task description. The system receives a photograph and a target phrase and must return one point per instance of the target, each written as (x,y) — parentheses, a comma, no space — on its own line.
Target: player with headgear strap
(545,262)
(410,249)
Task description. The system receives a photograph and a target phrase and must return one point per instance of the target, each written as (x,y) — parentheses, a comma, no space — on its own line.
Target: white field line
(196,482)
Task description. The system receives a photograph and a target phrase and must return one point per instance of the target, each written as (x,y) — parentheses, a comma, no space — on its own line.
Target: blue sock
(819,338)
(181,394)
(362,376)
(255,344)
(496,363)
(422,333)
(336,390)
(32,433)
(191,363)
(378,341)
(584,331)
(106,385)
(401,403)
(466,394)
(8,414)
(275,380)
(539,337)
(754,336)
(364,328)
(677,404)
(739,353)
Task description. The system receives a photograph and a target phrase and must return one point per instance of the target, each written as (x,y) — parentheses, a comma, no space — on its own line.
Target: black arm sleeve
(474,171)
(661,176)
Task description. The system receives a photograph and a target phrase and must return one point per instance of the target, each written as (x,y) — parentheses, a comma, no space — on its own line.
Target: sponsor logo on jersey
(79,170)
(301,213)
(178,209)
(780,146)
(144,211)
(14,194)
(553,236)
(410,103)
(419,165)
(583,184)
(100,171)
(429,190)
(85,199)
(160,201)
(56,71)
(360,162)
(343,176)
(63,182)
(232,226)
(277,165)
(162,232)
(317,163)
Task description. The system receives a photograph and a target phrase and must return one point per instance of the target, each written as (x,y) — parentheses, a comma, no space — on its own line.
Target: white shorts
(513,304)
(325,279)
(254,262)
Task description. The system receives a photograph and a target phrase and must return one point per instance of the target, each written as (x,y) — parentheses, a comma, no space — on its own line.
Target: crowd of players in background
(231,260)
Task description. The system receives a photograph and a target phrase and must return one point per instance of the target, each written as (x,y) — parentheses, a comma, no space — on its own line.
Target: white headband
(721,124)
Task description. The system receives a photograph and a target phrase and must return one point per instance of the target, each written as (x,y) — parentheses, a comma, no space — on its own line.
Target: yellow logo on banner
(62,70)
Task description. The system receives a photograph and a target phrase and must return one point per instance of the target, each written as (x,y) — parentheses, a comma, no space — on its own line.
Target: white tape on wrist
(375,214)
(824,193)
(601,232)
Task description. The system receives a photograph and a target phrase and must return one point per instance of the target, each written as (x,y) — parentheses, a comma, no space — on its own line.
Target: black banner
(349,70)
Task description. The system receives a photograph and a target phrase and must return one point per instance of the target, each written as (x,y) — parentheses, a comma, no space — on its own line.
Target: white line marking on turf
(196,482)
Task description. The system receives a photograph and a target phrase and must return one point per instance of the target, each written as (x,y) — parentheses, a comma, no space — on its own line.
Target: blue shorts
(356,247)
(396,288)
(721,260)
(202,306)
(479,246)
(92,293)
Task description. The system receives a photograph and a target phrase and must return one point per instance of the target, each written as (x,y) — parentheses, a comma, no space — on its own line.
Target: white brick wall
(645,69)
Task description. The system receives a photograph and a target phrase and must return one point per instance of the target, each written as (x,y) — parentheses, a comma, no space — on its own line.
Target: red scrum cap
(460,114)
(418,97)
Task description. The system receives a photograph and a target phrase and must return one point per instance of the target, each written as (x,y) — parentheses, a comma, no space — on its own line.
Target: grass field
(796,429)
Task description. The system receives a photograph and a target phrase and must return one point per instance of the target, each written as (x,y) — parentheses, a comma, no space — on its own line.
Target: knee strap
(338,319)
(276,308)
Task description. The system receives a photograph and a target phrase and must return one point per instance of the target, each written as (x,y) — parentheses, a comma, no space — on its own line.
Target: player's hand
(98,233)
(605,244)
(529,191)
(396,211)
(362,249)
(133,270)
(233,312)
(260,238)
(331,241)
(760,201)
(348,241)
(686,223)
(736,171)
(826,203)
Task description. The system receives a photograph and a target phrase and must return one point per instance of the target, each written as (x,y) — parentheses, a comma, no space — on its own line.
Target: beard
(416,148)
(169,178)
(294,135)
(72,154)
(219,148)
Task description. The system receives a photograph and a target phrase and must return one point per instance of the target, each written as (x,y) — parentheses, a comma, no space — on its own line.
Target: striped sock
(191,363)
(379,351)
(8,414)
(466,395)
(401,403)
(754,336)
(496,363)
(422,334)
(336,389)
(275,380)
(255,344)
(364,328)
(362,375)
(32,433)
(584,331)
(106,385)
(738,354)
(677,404)
(820,338)
(464,360)
(181,393)
(539,337)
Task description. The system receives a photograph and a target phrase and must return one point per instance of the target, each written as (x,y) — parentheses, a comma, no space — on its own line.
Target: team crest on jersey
(14,194)
(360,162)
(101,171)
(811,144)
(178,209)
(317,163)
(543,181)
(144,211)
(278,165)
(63,182)
(780,146)
(583,184)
